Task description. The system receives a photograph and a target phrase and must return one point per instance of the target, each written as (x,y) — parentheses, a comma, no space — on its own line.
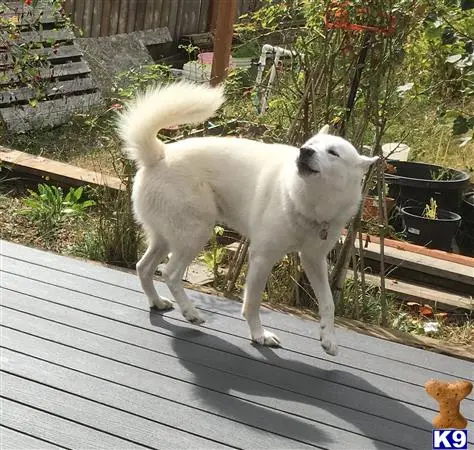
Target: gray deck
(85,364)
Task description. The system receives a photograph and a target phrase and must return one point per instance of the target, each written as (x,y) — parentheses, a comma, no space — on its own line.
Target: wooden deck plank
(348,358)
(313,383)
(217,305)
(131,428)
(12,439)
(154,406)
(72,329)
(129,326)
(62,432)
(199,384)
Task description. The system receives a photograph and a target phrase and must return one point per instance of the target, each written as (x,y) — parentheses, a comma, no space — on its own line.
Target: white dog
(284,199)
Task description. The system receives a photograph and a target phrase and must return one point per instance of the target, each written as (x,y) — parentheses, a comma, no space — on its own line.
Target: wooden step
(422,268)
(403,290)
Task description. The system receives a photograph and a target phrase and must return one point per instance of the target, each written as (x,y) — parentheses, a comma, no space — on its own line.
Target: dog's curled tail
(159,107)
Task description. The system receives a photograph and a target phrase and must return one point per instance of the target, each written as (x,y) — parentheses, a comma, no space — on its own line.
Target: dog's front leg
(260,266)
(316,269)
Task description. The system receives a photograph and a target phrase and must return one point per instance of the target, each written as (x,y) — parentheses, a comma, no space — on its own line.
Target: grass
(430,138)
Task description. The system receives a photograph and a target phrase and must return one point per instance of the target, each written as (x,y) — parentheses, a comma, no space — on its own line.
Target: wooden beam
(442,300)
(55,170)
(223,40)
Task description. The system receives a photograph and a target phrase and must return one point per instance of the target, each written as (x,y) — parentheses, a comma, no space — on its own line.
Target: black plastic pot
(412,184)
(466,232)
(433,233)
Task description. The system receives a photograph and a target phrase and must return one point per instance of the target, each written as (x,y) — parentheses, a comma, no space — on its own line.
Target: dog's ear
(324,130)
(366,161)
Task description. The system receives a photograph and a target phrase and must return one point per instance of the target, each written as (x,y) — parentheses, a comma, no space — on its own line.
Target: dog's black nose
(306,152)
(303,162)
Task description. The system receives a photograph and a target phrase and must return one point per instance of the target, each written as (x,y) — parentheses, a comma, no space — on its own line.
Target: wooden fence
(108,17)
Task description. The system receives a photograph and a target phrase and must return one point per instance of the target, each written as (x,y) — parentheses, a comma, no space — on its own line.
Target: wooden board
(55,170)
(63,432)
(59,71)
(58,88)
(444,301)
(45,36)
(412,248)
(12,439)
(47,113)
(139,430)
(24,108)
(298,348)
(80,337)
(244,386)
(423,263)
(43,16)
(61,53)
(128,281)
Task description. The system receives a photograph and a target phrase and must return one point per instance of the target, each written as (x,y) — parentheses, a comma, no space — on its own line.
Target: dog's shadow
(236,382)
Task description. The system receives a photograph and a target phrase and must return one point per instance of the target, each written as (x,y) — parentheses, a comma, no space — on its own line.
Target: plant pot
(371,207)
(466,231)
(396,150)
(432,233)
(412,184)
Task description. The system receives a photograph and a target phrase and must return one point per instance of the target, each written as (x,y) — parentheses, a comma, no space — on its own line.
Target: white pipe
(279,52)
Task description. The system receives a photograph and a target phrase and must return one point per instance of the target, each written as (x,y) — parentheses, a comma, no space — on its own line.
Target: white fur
(182,189)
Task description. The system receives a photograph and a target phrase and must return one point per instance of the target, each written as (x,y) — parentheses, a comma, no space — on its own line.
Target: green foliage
(128,83)
(431,210)
(440,57)
(408,323)
(363,306)
(49,205)
(214,256)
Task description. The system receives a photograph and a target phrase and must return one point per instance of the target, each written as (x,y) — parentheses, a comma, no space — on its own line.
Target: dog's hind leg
(146,267)
(181,256)
(260,266)
(316,269)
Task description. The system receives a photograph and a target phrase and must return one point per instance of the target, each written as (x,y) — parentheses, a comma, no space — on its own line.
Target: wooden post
(222,39)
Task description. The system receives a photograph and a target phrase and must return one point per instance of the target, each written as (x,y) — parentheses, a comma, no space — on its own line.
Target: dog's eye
(333,153)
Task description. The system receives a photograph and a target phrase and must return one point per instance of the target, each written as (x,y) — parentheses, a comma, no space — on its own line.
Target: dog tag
(323,233)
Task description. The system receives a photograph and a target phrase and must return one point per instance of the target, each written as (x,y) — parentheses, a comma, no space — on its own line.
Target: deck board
(12,439)
(63,432)
(220,306)
(234,395)
(89,365)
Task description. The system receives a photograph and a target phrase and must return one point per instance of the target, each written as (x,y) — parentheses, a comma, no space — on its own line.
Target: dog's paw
(162,304)
(267,338)
(192,315)
(329,342)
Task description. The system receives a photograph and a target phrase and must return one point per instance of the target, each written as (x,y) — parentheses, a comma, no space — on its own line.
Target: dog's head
(332,159)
